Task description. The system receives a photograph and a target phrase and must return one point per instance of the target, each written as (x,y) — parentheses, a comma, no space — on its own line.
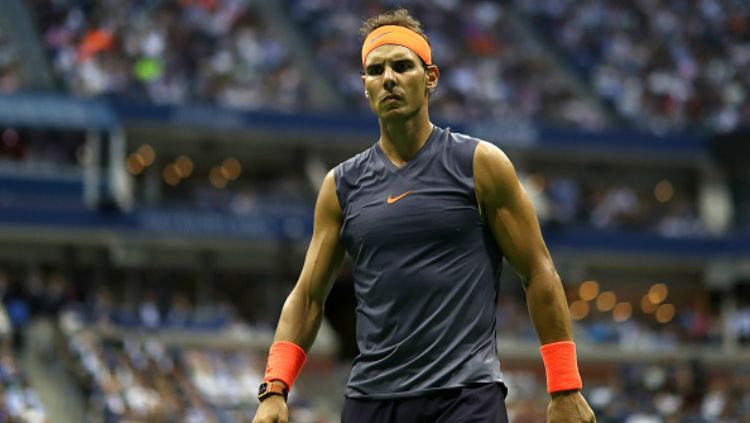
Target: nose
(389,80)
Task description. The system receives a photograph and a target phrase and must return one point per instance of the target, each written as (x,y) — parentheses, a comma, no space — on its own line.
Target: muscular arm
(303,309)
(511,217)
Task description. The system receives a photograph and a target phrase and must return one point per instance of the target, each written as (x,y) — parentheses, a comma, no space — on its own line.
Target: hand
(569,407)
(272,410)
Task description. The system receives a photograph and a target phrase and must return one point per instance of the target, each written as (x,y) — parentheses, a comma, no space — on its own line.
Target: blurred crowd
(589,197)
(662,64)
(696,323)
(19,403)
(670,391)
(667,390)
(10,72)
(674,391)
(44,151)
(285,193)
(582,201)
(489,70)
(125,376)
(611,203)
(143,380)
(698,317)
(170,51)
(152,312)
(131,374)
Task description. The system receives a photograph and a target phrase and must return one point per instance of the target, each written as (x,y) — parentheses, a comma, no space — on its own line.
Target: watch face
(262,388)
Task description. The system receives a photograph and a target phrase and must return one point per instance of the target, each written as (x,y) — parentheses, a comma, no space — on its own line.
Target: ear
(363,85)
(432,75)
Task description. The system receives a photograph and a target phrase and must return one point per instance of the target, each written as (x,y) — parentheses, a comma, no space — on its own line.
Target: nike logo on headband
(379,36)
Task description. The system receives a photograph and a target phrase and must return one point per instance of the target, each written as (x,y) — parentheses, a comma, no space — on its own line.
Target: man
(427,215)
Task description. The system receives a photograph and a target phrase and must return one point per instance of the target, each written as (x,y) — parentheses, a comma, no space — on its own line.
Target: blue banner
(295,224)
(263,225)
(55,111)
(522,134)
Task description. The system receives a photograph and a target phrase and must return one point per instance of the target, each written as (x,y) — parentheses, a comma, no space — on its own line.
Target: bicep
(325,251)
(509,212)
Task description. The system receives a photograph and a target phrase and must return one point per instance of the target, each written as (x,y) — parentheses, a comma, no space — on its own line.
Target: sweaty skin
(511,217)
(397,86)
(303,310)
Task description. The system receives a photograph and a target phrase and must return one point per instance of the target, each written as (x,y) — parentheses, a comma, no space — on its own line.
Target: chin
(397,113)
(393,115)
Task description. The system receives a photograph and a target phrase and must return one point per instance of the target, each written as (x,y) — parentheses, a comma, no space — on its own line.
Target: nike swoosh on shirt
(392,200)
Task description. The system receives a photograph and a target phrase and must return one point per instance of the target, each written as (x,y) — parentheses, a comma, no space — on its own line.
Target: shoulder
(328,200)
(460,141)
(458,149)
(494,174)
(462,138)
(347,176)
(490,157)
(354,164)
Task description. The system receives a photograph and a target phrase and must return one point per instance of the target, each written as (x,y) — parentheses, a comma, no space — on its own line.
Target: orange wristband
(285,360)
(561,366)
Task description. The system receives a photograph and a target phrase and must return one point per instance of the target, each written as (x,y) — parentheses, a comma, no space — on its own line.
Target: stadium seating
(490,69)
(155,204)
(660,65)
(170,52)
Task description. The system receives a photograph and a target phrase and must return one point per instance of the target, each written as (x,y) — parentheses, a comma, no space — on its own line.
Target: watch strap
(271,388)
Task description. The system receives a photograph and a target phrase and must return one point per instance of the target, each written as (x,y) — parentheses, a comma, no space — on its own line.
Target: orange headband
(399,35)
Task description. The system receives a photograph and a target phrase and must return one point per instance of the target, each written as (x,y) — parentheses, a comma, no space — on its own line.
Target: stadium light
(148,154)
(622,311)
(606,301)
(135,164)
(665,313)
(663,191)
(232,167)
(588,290)
(217,178)
(184,166)
(579,309)
(658,293)
(171,177)
(647,306)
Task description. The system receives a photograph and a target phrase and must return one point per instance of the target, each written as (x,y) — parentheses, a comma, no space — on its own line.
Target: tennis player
(427,214)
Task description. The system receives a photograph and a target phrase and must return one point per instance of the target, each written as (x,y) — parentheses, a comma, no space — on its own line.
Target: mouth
(391,97)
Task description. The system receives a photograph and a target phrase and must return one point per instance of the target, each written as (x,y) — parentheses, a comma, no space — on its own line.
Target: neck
(400,140)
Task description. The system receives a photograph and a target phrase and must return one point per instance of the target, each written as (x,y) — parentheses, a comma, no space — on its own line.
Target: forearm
(548,307)
(300,319)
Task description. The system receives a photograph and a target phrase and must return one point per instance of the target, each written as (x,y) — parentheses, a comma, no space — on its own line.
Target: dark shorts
(483,403)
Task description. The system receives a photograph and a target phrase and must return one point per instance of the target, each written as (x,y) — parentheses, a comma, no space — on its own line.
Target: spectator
(508,79)
(171,52)
(662,65)
(10,72)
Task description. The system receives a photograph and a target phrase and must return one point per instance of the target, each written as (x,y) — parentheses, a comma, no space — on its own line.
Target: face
(396,83)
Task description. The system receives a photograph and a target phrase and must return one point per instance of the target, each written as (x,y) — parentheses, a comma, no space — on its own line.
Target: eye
(402,66)
(374,70)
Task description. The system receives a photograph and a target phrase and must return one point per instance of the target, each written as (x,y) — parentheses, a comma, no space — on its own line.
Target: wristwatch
(268,389)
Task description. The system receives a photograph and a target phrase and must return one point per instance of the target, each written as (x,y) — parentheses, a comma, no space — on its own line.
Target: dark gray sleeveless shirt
(426,270)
